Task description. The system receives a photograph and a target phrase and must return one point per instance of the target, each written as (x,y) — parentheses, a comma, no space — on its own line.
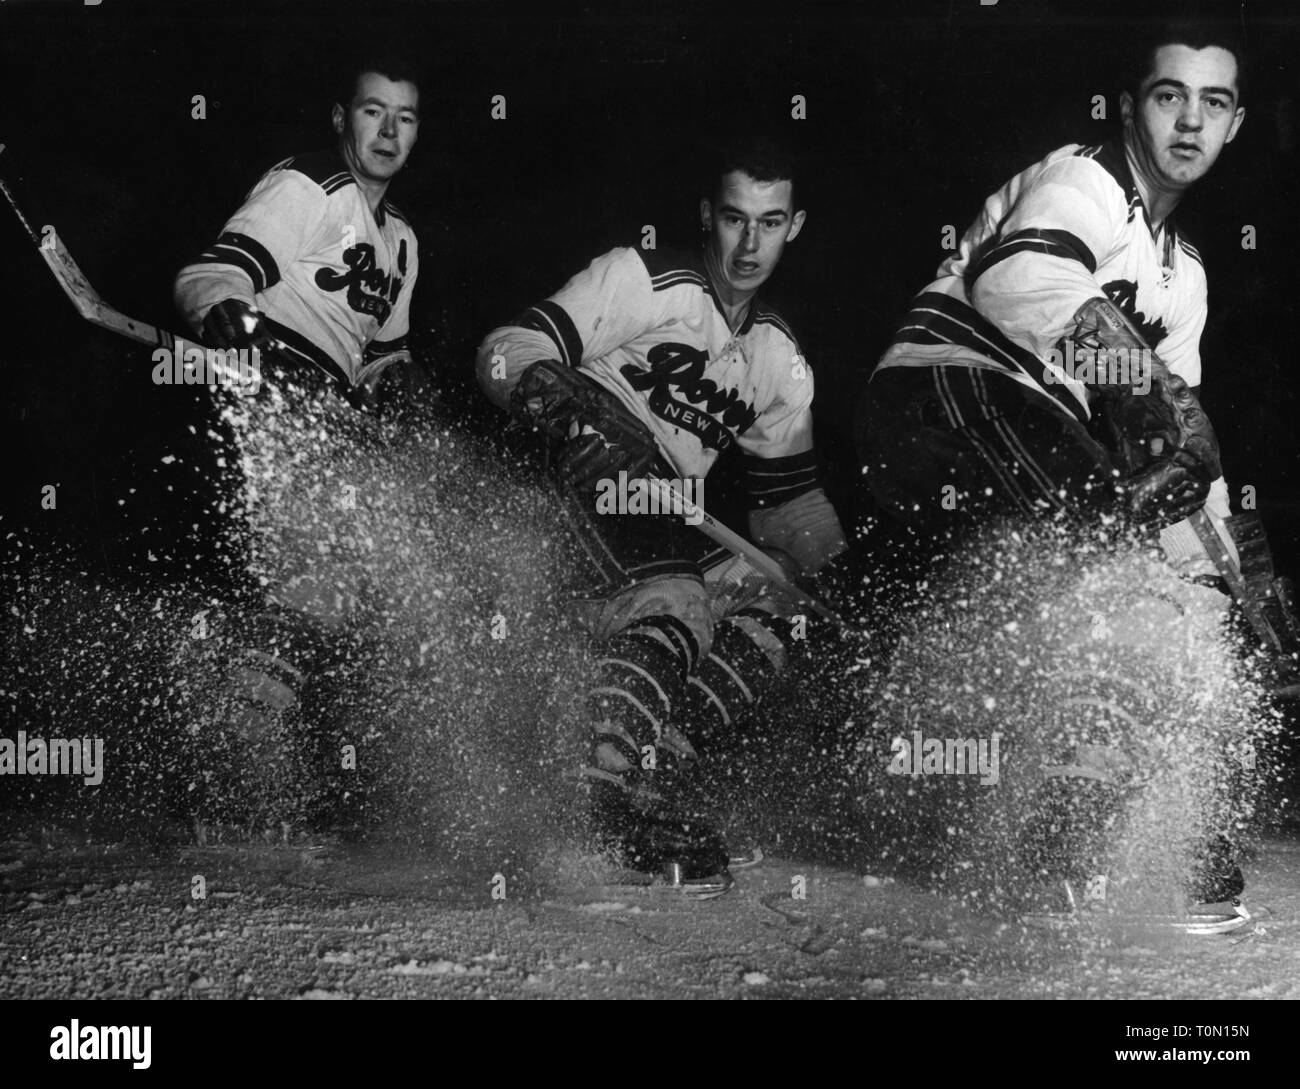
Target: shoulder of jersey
(391,209)
(325,168)
(765,315)
(1185,244)
(671,268)
(1110,157)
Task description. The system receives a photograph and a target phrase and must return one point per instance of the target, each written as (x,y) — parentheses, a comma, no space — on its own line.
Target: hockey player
(1051,369)
(1053,364)
(317,262)
(316,270)
(661,362)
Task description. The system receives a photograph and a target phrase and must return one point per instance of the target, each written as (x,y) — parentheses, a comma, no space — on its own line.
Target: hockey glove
(232,323)
(597,436)
(1169,449)
(1161,437)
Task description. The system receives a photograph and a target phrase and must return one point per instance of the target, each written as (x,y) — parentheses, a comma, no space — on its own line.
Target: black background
(915,112)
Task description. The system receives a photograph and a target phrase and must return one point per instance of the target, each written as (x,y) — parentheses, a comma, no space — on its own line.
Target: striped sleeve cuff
(773,481)
(246,254)
(551,318)
(1053,243)
(376,349)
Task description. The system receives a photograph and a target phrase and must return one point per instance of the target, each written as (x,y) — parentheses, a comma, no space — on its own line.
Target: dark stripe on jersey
(325,167)
(377,348)
(671,269)
(1191,251)
(940,319)
(1111,157)
(246,254)
(773,481)
(342,181)
(672,279)
(302,348)
(660,263)
(768,316)
(1050,242)
(395,212)
(551,318)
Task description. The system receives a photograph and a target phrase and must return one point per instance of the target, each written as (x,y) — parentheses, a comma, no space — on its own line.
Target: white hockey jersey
(333,281)
(1068,229)
(647,326)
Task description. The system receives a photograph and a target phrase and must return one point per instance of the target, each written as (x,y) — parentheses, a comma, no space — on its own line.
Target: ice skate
(653,837)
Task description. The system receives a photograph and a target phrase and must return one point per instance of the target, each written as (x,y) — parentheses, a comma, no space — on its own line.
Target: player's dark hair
(390,62)
(760,156)
(1193,32)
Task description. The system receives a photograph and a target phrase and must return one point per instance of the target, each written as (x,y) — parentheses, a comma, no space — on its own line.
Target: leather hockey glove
(232,323)
(597,437)
(1162,439)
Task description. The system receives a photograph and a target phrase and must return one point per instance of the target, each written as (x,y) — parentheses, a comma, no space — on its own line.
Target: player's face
(379,127)
(1187,112)
(748,229)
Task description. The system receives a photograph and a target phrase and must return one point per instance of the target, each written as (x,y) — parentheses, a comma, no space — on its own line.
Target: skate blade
(1205,919)
(668,884)
(744,859)
(696,888)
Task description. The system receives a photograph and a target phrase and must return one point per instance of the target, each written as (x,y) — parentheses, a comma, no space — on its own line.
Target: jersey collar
(702,266)
(1115,159)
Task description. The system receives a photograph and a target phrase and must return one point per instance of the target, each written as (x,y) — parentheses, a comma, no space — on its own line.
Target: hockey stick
(91,306)
(1218,553)
(75,285)
(738,546)
(94,309)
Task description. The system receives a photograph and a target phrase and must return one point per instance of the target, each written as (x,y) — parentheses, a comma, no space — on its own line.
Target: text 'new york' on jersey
(648,326)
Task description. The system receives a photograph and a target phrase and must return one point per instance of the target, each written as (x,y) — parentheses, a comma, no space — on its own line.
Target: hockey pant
(945,447)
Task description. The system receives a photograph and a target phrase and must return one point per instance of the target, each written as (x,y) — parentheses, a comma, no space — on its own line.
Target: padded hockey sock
(749,653)
(278,652)
(640,682)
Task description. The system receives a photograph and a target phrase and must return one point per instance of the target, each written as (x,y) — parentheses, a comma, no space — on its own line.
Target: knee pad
(682,598)
(639,689)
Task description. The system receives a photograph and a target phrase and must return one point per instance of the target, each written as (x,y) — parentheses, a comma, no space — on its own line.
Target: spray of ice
(1071,652)
(445,711)
(456,682)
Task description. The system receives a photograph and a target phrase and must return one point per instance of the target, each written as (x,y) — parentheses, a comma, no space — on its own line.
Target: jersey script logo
(370,289)
(1123,293)
(680,368)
